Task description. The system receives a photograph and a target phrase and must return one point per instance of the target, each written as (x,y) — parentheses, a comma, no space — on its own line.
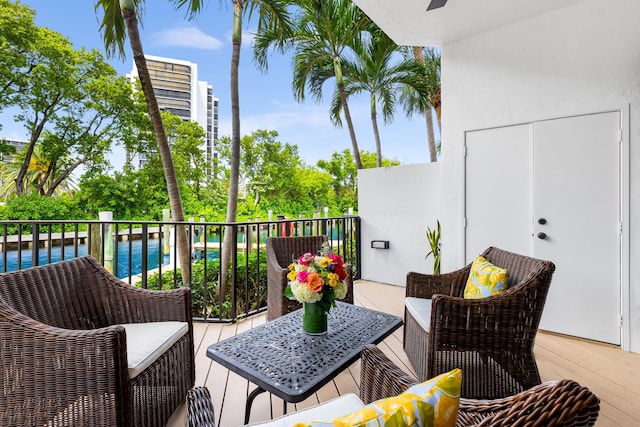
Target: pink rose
(303,276)
(305,259)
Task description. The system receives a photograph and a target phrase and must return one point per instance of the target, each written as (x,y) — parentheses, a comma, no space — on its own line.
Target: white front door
(577,195)
(497,190)
(561,178)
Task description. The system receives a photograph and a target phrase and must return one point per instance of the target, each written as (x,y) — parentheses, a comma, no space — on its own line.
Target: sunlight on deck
(609,372)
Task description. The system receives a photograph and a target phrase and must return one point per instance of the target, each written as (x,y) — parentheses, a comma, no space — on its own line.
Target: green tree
(40,173)
(56,76)
(273,16)
(325,32)
(129,194)
(72,104)
(422,101)
(118,16)
(18,35)
(189,158)
(344,175)
(33,206)
(267,166)
(376,70)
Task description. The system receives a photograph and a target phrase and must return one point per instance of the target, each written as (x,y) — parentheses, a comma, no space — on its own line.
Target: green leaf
(288,293)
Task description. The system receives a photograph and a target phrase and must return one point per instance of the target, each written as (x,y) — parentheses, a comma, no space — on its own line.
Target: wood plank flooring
(609,372)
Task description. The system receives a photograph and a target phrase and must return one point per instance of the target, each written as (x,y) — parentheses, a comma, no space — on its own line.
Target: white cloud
(286,116)
(186,37)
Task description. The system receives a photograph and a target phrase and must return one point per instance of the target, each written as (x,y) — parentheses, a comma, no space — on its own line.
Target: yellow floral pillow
(485,279)
(433,403)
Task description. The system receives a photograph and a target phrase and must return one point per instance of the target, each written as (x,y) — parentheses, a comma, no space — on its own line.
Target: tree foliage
(325,33)
(71,102)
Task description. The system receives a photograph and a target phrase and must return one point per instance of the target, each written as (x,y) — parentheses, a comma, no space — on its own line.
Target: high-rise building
(177,88)
(19,144)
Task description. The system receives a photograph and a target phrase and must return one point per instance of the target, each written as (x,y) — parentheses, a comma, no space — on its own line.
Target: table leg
(284,407)
(247,408)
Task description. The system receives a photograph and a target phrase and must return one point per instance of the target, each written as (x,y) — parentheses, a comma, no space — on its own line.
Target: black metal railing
(143,253)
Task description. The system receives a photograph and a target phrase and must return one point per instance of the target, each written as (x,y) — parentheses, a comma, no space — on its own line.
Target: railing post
(234,266)
(166,240)
(358,248)
(145,257)
(94,241)
(105,218)
(35,244)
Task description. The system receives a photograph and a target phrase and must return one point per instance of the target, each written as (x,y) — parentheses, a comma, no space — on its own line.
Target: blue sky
(266,99)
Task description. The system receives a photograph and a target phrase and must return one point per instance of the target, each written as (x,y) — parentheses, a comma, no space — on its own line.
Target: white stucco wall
(397,204)
(584,58)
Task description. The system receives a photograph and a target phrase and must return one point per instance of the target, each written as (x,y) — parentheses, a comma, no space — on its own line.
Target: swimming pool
(123,256)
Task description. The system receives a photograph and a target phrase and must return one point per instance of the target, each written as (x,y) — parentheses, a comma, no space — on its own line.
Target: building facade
(178,90)
(19,144)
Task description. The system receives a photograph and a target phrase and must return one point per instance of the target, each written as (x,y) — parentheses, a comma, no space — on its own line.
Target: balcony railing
(143,253)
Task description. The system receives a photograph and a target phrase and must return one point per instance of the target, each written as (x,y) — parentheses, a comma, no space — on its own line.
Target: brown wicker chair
(64,353)
(554,403)
(280,253)
(490,339)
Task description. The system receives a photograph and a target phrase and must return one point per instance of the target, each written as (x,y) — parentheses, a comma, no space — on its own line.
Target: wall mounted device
(380,244)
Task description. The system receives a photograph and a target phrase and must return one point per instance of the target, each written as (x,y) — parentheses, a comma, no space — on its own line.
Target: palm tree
(117,15)
(40,175)
(325,32)
(273,16)
(422,103)
(374,71)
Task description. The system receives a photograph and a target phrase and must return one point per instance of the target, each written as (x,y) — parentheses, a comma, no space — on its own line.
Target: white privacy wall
(397,204)
(584,58)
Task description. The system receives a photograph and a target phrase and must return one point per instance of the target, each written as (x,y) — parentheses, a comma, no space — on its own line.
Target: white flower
(340,290)
(303,294)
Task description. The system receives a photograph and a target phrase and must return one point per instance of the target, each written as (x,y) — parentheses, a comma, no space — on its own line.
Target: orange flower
(315,282)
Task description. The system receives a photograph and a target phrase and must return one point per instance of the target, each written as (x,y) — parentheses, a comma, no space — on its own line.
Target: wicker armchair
(490,339)
(555,403)
(64,350)
(280,252)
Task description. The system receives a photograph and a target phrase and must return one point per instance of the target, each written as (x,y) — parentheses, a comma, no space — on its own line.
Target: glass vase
(314,319)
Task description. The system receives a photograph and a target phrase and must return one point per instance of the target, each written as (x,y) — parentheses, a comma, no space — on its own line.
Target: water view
(123,256)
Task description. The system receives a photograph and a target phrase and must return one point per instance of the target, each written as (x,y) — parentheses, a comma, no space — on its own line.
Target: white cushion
(325,412)
(146,342)
(420,309)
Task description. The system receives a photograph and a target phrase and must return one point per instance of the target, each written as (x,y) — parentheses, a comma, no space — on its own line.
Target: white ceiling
(408,23)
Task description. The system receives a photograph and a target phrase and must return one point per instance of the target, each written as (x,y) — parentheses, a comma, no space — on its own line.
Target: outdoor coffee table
(280,358)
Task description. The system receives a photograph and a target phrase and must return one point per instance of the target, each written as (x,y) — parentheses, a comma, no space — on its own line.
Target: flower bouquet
(317,281)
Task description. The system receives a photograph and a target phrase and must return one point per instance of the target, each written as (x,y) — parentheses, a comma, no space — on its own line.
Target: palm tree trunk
(22,173)
(352,132)
(376,132)
(431,135)
(234,174)
(173,190)
(437,105)
(431,140)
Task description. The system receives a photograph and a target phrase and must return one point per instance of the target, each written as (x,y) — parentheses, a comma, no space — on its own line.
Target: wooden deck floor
(609,372)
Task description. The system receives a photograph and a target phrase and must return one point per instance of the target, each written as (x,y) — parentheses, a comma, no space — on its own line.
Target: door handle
(542,221)
(542,235)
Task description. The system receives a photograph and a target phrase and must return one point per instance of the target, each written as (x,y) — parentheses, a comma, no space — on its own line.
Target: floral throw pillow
(485,279)
(433,403)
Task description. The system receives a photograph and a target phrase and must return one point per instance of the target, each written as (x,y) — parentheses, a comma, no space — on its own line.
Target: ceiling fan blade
(435,4)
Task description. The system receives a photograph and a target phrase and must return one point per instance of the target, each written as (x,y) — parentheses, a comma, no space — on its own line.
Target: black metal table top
(280,358)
